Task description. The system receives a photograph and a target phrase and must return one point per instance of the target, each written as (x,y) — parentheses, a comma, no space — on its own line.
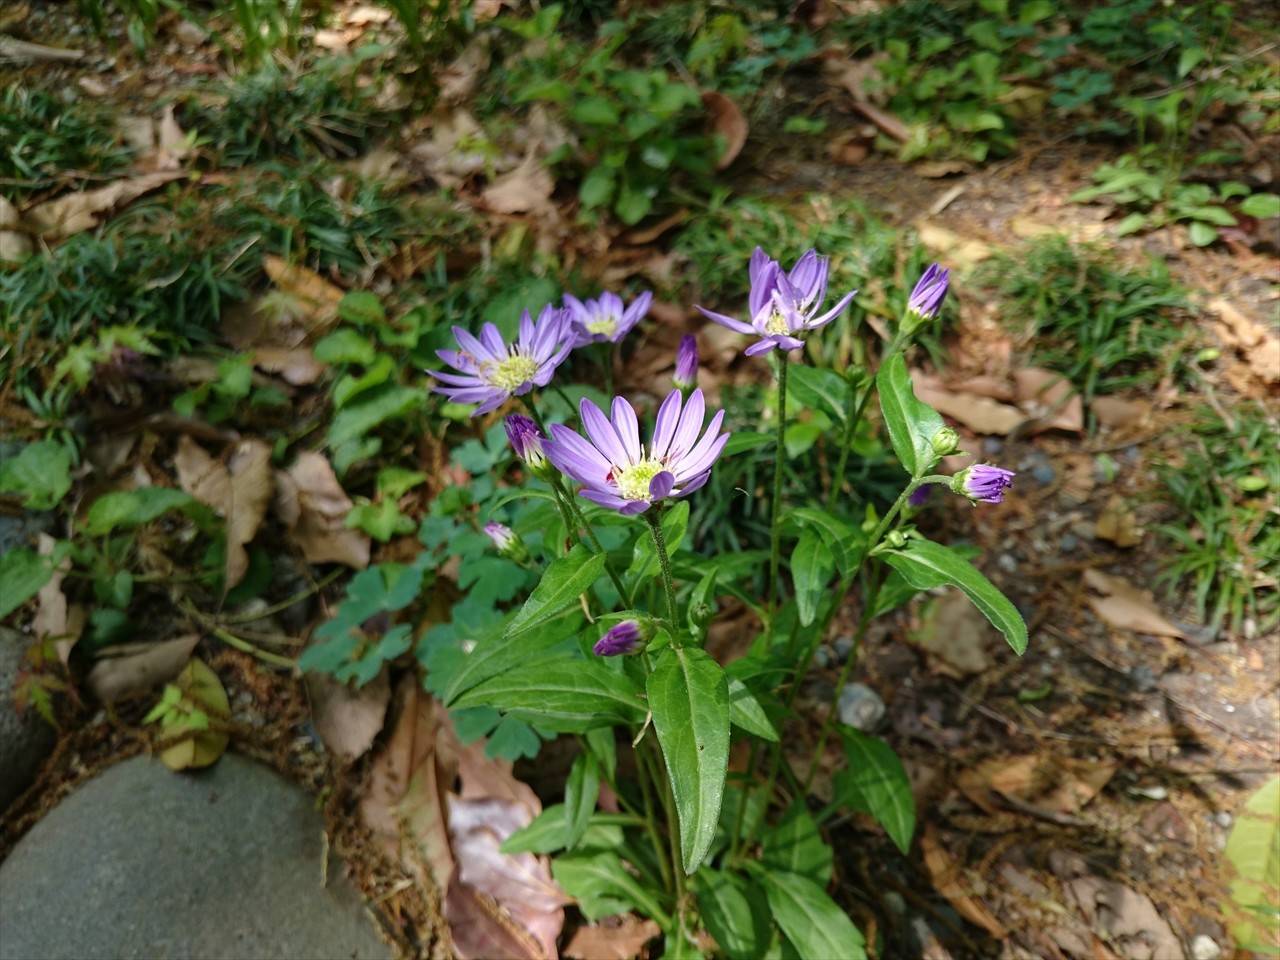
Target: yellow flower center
(511,373)
(633,481)
(604,326)
(777,323)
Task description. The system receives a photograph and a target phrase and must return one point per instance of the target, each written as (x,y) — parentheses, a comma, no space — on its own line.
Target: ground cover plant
(699,479)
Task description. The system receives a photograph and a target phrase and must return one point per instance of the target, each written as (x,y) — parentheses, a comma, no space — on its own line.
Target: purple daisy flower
(930,290)
(983,483)
(605,318)
(686,375)
(624,638)
(491,371)
(617,472)
(784,304)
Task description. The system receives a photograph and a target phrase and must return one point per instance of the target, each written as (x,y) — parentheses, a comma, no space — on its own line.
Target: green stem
(660,545)
(775,538)
(837,481)
(855,418)
(647,779)
(673,834)
(610,351)
(580,520)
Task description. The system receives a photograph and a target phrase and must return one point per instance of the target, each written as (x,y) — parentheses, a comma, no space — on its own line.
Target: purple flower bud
(931,289)
(686,375)
(920,496)
(983,483)
(526,441)
(506,540)
(627,637)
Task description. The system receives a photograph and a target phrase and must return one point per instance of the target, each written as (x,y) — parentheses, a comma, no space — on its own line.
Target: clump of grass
(1226,537)
(1106,327)
(45,140)
(277,114)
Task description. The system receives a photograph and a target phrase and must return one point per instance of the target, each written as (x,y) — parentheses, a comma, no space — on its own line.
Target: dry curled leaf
(297,367)
(1050,398)
(615,938)
(1126,919)
(1123,605)
(132,668)
(1118,524)
(238,491)
(1061,785)
(314,506)
(75,212)
(51,620)
(978,413)
(948,879)
(525,189)
(728,122)
(317,296)
(348,719)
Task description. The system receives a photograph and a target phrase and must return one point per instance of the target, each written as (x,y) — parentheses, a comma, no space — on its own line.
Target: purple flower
(526,440)
(626,637)
(983,483)
(491,371)
(784,304)
(920,495)
(686,375)
(617,472)
(604,318)
(930,290)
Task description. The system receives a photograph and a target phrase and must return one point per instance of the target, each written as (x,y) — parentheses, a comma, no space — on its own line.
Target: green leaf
(845,541)
(1261,205)
(22,573)
(494,653)
(581,791)
(558,590)
(376,406)
(689,698)
(344,346)
(545,833)
(132,508)
(926,564)
(745,712)
(600,881)
(1201,233)
(744,440)
(595,110)
(382,520)
(875,782)
(1131,224)
(361,308)
(811,920)
(564,694)
(911,424)
(795,845)
(644,559)
(597,187)
(811,569)
(632,205)
(734,913)
(816,388)
(1253,856)
(40,473)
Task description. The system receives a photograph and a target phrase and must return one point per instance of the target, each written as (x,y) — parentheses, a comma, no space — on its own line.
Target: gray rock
(24,740)
(1204,947)
(844,647)
(822,657)
(1043,474)
(1069,542)
(143,862)
(991,446)
(860,707)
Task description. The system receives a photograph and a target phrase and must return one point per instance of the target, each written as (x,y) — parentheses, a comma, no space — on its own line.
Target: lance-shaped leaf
(926,564)
(811,920)
(876,783)
(564,694)
(558,590)
(811,568)
(689,698)
(911,423)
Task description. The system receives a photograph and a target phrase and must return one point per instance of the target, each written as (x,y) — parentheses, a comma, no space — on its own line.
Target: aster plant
(610,642)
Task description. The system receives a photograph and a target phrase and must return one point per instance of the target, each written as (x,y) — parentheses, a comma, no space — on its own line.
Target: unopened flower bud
(507,541)
(526,441)
(896,539)
(624,638)
(945,442)
(686,375)
(926,299)
(983,483)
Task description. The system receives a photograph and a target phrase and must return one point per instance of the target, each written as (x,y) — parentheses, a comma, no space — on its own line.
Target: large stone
(24,740)
(143,862)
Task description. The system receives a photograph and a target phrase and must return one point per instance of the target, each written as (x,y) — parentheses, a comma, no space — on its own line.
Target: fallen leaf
(135,667)
(172,145)
(1114,412)
(947,877)
(950,245)
(850,153)
(1258,342)
(1050,398)
(458,80)
(238,491)
(936,169)
(203,691)
(1118,524)
(335,41)
(51,610)
(958,638)
(14,246)
(861,79)
(314,506)
(1124,606)
(526,188)
(643,235)
(449,155)
(1055,784)
(1029,228)
(75,212)
(728,122)
(348,720)
(297,367)
(978,413)
(317,295)
(884,120)
(616,938)
(1125,918)
(365,14)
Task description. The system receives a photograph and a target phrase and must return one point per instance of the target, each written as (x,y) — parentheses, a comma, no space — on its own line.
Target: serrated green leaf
(912,425)
(926,564)
(689,700)
(40,474)
(875,782)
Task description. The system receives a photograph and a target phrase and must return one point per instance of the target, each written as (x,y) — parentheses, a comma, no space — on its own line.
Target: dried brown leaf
(1061,785)
(51,610)
(957,636)
(172,144)
(348,720)
(297,367)
(946,243)
(314,506)
(238,491)
(1126,919)
(885,120)
(978,413)
(728,122)
(1124,606)
(618,938)
(75,212)
(1050,398)
(123,670)
(316,294)
(1115,412)
(948,879)
(1118,524)
(526,188)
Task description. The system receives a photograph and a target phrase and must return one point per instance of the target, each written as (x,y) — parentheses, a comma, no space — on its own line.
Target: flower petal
(695,409)
(602,433)
(628,427)
(664,425)
(660,486)
(730,322)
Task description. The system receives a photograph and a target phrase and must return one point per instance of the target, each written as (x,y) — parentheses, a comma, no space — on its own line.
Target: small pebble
(1154,792)
(860,707)
(844,647)
(1204,947)
(1143,678)
(822,657)
(894,902)
(1043,474)
(1223,819)
(1007,562)
(1068,542)
(991,446)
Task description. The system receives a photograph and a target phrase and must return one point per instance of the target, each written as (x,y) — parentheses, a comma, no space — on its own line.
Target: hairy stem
(775,534)
(660,545)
